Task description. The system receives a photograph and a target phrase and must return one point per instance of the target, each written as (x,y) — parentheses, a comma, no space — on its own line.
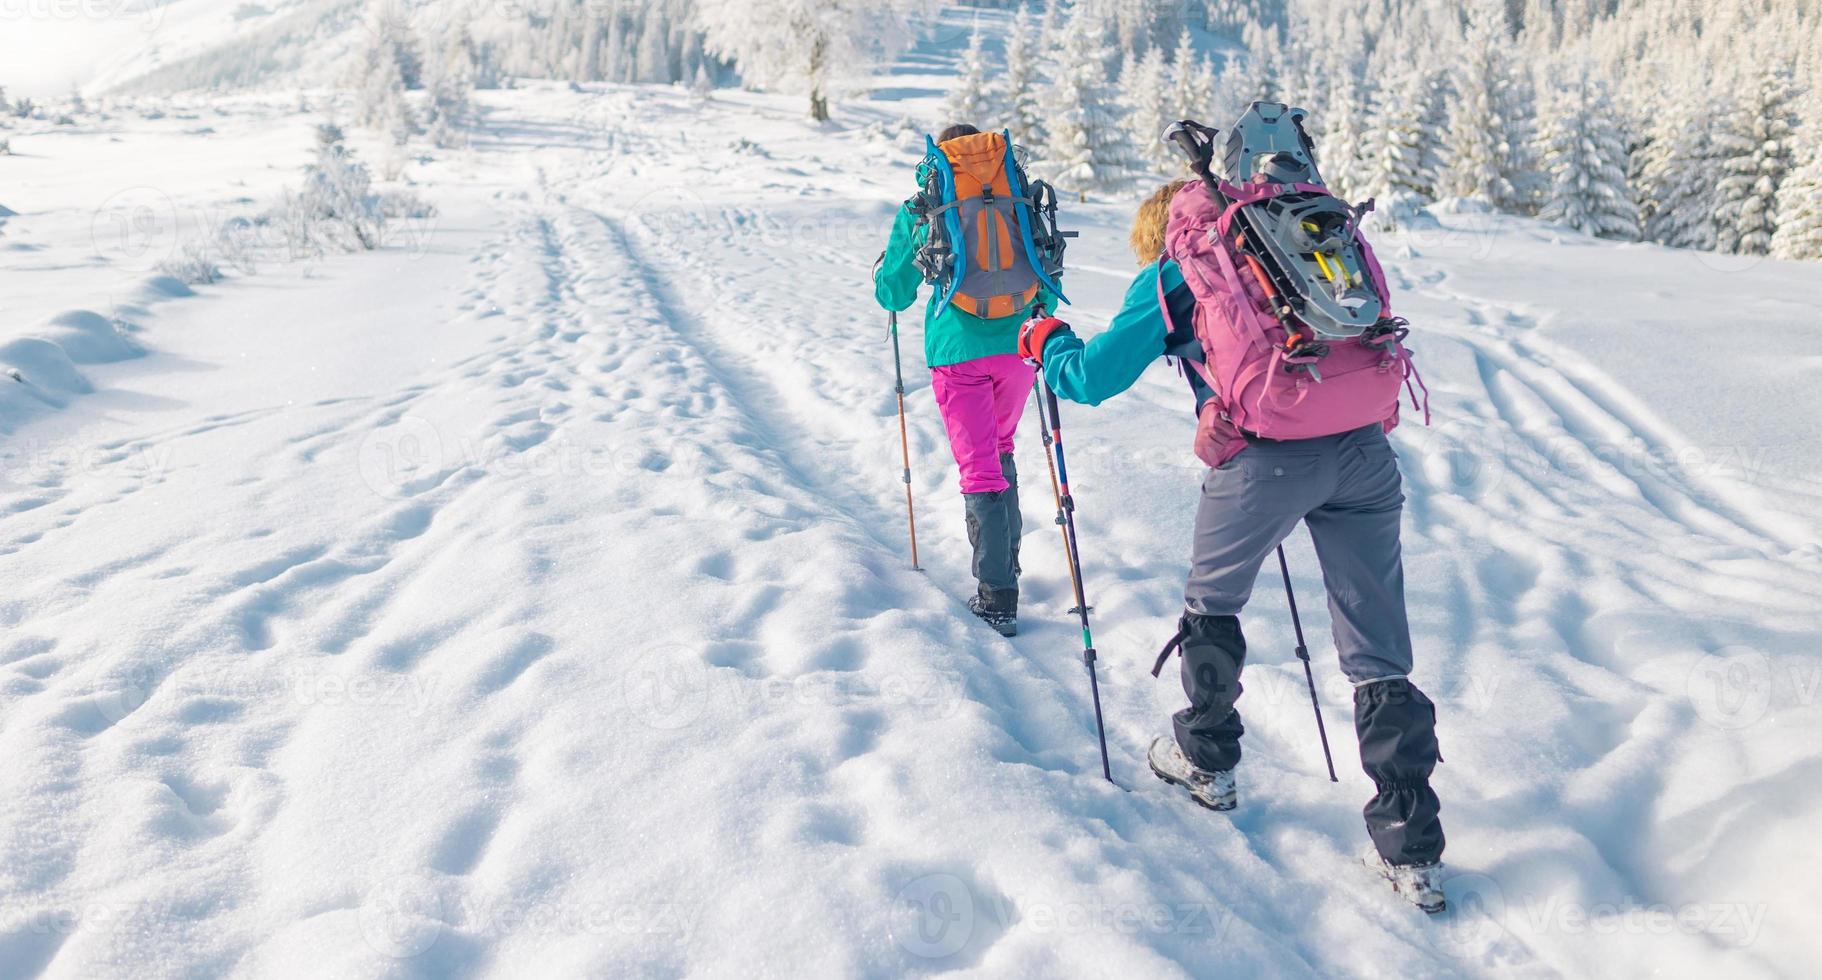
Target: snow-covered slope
(179,44)
(533,599)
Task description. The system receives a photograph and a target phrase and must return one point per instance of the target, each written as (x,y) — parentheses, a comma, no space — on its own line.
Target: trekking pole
(1056,491)
(1066,506)
(1303,654)
(904,439)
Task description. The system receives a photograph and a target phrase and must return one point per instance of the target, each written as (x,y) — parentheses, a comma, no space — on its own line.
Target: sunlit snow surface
(530,597)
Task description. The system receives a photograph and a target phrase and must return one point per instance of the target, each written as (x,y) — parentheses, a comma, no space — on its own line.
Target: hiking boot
(998,608)
(1419,884)
(1215,790)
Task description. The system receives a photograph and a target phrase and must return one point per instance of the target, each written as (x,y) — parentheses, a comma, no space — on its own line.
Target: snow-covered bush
(336,209)
(238,243)
(194,264)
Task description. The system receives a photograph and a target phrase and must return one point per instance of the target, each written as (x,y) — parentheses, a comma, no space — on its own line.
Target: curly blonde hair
(1148,225)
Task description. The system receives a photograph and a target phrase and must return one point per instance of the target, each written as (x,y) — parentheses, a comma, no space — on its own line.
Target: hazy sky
(46,46)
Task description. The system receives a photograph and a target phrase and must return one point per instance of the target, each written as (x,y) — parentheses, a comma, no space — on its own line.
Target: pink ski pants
(981,402)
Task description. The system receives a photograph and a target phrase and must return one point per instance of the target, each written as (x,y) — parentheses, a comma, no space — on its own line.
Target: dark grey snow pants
(995,527)
(1346,488)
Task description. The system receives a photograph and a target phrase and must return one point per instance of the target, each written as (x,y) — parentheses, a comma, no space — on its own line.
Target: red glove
(1034,334)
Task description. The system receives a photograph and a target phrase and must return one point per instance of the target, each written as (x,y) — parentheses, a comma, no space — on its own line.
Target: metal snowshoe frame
(1305,240)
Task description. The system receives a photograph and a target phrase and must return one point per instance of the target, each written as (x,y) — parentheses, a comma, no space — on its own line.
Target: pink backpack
(1273,377)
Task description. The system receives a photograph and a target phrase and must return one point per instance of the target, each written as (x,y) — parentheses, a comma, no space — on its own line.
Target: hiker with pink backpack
(1258,282)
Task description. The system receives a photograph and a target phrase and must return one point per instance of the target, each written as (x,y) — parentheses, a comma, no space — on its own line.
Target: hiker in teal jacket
(980,383)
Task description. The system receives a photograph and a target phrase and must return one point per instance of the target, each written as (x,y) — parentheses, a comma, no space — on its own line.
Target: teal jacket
(1140,333)
(950,335)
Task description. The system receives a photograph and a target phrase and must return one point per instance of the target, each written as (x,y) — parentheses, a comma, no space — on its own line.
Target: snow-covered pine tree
(1134,21)
(1756,146)
(1342,151)
(1584,159)
(1403,137)
(1677,178)
(1218,105)
(1050,24)
(654,64)
(449,80)
(1149,110)
(1085,148)
(1188,98)
(1018,85)
(483,60)
(1524,167)
(1799,234)
(805,44)
(1263,63)
(380,85)
(1479,105)
(972,99)
(1225,16)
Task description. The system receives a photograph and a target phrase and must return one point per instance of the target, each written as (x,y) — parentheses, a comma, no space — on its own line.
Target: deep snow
(531,596)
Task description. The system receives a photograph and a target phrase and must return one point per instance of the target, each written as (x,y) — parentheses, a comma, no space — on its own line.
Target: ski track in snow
(639,560)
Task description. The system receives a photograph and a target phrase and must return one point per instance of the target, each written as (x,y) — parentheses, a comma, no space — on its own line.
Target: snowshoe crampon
(1307,243)
(1311,238)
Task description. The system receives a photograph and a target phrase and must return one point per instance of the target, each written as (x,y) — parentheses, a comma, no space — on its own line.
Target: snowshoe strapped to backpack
(1292,309)
(991,237)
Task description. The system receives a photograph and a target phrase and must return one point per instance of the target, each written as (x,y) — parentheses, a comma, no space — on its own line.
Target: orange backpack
(991,238)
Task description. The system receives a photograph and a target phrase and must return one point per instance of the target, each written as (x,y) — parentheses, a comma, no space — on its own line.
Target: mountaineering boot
(1419,884)
(1214,790)
(998,608)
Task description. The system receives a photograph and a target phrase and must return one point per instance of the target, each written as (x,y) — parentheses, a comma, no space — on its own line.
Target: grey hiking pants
(1347,490)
